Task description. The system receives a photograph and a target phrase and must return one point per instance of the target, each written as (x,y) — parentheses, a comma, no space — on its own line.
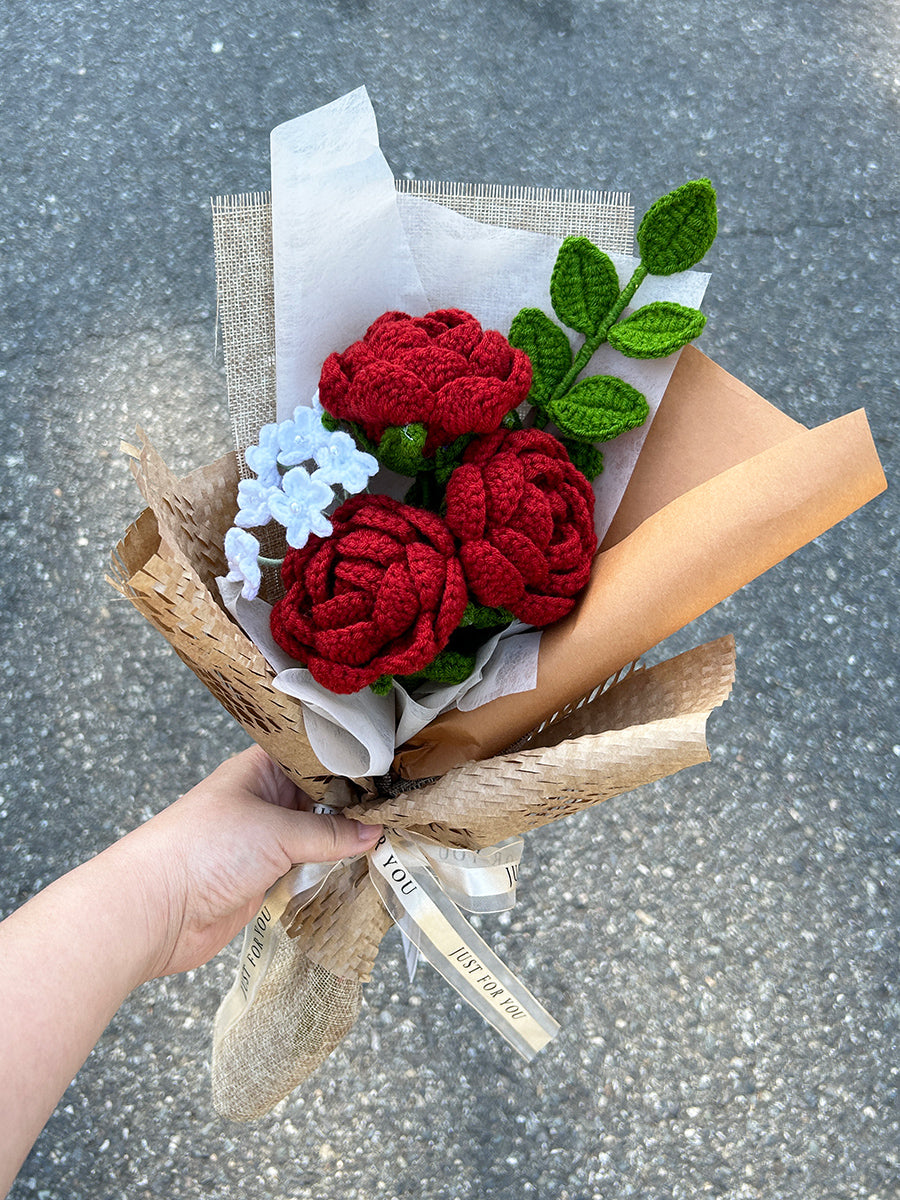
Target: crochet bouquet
(422,580)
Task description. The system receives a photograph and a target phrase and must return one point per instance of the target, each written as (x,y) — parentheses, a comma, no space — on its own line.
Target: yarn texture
(524,518)
(441,371)
(678,228)
(380,596)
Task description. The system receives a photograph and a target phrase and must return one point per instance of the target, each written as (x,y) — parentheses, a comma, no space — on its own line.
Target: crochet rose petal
(466,502)
(381,596)
(435,366)
(503,484)
(472,404)
(519,551)
(348,608)
(397,602)
(532,551)
(462,338)
(400,371)
(491,577)
(543,610)
(383,394)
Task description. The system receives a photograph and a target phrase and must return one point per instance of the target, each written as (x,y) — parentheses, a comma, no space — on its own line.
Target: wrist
(137,886)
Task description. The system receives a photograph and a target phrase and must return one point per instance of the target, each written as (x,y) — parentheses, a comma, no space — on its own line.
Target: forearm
(165,898)
(68,958)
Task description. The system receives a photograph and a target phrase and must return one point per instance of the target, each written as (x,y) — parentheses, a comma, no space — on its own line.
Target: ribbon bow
(423,886)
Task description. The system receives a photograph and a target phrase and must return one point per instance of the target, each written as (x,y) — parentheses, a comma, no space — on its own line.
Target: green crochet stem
(594,342)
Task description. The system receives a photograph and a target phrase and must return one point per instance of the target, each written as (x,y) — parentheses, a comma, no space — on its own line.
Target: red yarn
(442,370)
(524,516)
(380,596)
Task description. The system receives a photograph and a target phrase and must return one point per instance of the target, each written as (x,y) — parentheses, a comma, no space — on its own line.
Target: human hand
(203,865)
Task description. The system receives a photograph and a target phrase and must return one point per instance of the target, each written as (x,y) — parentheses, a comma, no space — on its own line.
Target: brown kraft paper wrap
(726,487)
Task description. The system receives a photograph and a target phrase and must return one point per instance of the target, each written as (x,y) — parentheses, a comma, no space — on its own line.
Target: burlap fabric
(644,725)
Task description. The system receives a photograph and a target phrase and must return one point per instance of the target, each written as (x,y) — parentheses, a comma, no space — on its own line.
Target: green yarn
(584,285)
(679,228)
(585,457)
(676,232)
(383,685)
(401,446)
(450,666)
(656,330)
(599,409)
(447,458)
(548,348)
(480,616)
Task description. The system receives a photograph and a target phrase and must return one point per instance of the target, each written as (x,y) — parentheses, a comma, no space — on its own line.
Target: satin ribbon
(423,886)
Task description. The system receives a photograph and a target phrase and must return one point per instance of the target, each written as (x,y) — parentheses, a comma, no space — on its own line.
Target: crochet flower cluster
(498,521)
(497,525)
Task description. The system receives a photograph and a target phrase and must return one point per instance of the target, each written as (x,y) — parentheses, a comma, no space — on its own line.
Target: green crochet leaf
(400,448)
(679,228)
(480,616)
(547,347)
(447,458)
(587,458)
(584,285)
(656,330)
(598,409)
(382,686)
(450,666)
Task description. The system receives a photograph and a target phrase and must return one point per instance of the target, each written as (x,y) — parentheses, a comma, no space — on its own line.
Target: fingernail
(367,833)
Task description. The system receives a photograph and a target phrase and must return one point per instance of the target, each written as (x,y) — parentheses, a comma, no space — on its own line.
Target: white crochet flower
(242,552)
(339,461)
(300,508)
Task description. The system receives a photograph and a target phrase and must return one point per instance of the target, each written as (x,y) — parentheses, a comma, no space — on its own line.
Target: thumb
(320,837)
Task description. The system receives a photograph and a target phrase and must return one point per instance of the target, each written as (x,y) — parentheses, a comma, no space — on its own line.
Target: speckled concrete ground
(721,947)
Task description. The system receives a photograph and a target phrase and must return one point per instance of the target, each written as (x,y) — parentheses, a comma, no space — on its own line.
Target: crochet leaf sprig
(675,233)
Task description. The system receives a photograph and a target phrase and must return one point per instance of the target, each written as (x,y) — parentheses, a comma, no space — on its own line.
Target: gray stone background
(722,947)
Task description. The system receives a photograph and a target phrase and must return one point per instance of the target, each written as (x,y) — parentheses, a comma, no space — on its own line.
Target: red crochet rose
(380,596)
(524,516)
(441,370)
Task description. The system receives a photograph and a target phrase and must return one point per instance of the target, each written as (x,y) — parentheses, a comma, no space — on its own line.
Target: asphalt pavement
(721,947)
